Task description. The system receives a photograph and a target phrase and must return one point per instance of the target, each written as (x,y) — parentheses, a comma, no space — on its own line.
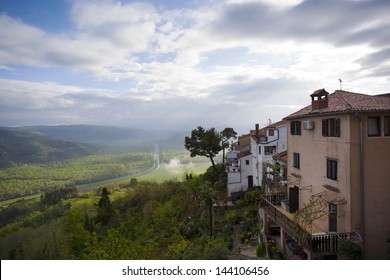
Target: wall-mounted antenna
(341,84)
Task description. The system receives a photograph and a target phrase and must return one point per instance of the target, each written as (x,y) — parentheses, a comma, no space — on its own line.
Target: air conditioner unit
(308,125)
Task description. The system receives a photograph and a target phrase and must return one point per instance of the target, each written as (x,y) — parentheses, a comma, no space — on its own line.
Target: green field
(174,171)
(91,172)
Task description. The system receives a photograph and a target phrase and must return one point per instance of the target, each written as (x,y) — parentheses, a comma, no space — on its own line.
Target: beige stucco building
(339,155)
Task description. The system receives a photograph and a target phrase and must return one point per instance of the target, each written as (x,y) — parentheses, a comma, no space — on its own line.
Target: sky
(166,64)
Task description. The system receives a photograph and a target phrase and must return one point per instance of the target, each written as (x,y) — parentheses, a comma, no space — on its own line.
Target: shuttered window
(387,125)
(293,198)
(331,169)
(374,126)
(331,127)
(296,160)
(295,128)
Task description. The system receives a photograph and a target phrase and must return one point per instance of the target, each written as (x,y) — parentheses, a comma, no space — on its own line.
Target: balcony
(315,241)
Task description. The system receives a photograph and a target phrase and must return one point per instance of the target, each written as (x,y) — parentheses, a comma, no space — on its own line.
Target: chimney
(319,99)
(257,131)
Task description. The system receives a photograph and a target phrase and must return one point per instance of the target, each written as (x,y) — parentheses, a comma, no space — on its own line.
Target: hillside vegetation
(31,179)
(130,219)
(51,144)
(24,147)
(137,220)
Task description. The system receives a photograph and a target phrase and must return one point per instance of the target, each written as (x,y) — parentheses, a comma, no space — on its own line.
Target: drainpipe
(361,178)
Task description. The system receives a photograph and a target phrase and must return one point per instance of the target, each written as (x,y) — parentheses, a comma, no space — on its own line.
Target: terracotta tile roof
(277,124)
(282,156)
(243,154)
(263,131)
(347,102)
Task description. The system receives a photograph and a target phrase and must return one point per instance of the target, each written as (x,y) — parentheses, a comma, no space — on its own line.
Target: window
(247,162)
(386,122)
(331,169)
(296,160)
(373,126)
(269,150)
(332,217)
(271,132)
(293,195)
(295,128)
(259,150)
(331,127)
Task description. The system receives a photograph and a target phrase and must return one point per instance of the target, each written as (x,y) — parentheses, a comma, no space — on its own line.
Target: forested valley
(135,220)
(46,213)
(28,179)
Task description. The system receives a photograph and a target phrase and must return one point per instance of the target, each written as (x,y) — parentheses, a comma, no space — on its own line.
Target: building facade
(339,158)
(241,166)
(247,163)
(272,141)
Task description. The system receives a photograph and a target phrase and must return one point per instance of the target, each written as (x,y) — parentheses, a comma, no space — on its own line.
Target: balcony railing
(318,244)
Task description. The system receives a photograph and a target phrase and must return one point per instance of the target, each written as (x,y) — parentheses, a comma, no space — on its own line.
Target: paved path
(241,251)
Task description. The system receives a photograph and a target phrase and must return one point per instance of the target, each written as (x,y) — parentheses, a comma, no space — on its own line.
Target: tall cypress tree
(104,208)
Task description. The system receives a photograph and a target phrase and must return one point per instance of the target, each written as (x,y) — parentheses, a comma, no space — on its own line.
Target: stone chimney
(319,99)
(257,131)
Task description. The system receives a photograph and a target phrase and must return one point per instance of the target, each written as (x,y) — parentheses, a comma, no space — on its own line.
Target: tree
(205,143)
(226,135)
(104,208)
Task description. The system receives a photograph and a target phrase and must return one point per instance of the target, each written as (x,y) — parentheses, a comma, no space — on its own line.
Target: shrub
(260,250)
(351,250)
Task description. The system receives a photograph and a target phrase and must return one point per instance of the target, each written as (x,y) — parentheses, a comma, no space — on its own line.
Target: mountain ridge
(44,144)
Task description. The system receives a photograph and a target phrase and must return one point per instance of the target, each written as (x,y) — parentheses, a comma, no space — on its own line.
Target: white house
(246,163)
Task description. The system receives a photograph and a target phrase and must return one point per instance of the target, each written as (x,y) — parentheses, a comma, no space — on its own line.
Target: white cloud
(227,62)
(20,43)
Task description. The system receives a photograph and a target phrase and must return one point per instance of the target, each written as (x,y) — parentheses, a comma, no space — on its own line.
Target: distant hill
(106,135)
(176,140)
(19,146)
(112,137)
(56,143)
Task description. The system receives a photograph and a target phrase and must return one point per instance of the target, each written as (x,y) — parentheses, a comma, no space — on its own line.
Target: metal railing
(318,244)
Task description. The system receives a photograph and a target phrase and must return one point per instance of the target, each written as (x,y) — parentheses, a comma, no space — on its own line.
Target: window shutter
(299,127)
(324,127)
(337,127)
(293,199)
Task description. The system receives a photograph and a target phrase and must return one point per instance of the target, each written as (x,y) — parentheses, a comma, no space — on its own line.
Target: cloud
(20,42)
(222,62)
(319,20)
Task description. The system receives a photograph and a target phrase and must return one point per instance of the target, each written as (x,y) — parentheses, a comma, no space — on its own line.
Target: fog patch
(176,167)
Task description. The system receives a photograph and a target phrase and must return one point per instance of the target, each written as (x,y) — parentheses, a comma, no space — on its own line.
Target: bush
(216,249)
(351,250)
(260,250)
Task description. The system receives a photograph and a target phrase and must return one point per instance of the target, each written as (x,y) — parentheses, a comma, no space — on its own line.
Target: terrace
(313,240)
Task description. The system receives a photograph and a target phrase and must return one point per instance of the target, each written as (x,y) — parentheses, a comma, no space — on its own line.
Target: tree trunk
(212,162)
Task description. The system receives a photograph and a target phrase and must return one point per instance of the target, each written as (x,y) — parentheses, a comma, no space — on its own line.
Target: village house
(241,167)
(272,141)
(246,163)
(338,176)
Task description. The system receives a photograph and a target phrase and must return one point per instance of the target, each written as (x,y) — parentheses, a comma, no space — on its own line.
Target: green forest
(135,220)
(99,207)
(28,179)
